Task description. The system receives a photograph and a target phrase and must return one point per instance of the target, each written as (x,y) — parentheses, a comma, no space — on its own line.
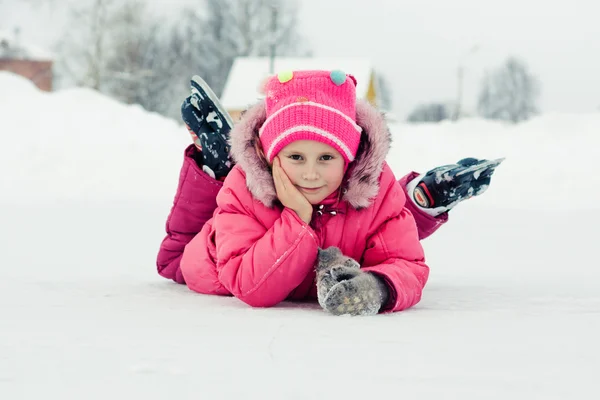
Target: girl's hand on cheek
(288,195)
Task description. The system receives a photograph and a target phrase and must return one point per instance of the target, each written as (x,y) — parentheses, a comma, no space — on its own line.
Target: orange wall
(39,72)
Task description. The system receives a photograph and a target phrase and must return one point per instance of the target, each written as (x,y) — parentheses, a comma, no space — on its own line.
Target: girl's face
(315,168)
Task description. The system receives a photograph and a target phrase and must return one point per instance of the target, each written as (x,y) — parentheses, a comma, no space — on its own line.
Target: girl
(308,209)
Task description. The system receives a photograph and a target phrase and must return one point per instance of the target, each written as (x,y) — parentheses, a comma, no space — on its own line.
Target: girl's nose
(310,174)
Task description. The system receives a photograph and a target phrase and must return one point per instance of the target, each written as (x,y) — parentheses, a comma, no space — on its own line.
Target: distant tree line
(508,93)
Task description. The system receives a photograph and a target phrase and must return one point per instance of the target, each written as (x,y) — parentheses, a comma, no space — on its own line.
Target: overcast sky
(419,43)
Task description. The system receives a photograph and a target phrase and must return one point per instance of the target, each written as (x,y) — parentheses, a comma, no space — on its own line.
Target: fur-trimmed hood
(361,183)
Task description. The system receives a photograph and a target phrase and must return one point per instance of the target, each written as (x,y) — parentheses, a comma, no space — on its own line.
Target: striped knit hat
(311,105)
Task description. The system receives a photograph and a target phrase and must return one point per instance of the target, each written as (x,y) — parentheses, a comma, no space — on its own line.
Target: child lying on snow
(309,207)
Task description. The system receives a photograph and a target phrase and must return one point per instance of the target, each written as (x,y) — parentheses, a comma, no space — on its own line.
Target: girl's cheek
(335,174)
(289,170)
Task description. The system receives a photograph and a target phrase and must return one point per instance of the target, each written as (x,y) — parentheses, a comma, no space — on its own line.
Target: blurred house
(247,74)
(25,60)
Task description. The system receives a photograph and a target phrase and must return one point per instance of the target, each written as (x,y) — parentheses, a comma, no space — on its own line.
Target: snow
(247,74)
(511,310)
(11,47)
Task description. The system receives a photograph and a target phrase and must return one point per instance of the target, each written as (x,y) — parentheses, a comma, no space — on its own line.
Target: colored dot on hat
(285,76)
(338,77)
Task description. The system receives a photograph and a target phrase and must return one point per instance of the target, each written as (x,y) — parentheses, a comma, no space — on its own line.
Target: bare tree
(125,52)
(154,69)
(83,48)
(120,49)
(128,52)
(234,28)
(510,93)
(137,67)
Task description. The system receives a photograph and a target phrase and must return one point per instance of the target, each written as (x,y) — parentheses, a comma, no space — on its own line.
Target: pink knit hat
(311,105)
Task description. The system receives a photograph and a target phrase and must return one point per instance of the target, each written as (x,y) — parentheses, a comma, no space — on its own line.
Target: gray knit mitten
(344,289)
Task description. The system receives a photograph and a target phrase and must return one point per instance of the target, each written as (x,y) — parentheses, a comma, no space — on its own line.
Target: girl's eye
(296,157)
(327,158)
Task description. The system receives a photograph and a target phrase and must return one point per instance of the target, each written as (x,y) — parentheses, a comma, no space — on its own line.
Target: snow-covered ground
(511,311)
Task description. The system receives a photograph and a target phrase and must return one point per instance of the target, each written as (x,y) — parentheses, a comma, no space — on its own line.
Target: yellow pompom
(285,76)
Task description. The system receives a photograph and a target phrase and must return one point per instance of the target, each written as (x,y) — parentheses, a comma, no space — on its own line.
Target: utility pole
(273,37)
(460,74)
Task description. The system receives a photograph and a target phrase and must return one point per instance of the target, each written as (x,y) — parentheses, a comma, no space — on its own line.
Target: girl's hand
(344,288)
(288,195)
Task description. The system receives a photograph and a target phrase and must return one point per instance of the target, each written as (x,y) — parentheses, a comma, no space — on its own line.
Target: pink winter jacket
(263,253)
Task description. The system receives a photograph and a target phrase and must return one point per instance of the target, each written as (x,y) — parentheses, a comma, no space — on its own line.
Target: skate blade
(483,166)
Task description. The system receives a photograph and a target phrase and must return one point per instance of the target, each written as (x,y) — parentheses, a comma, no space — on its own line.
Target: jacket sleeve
(194,204)
(426,224)
(261,265)
(395,254)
